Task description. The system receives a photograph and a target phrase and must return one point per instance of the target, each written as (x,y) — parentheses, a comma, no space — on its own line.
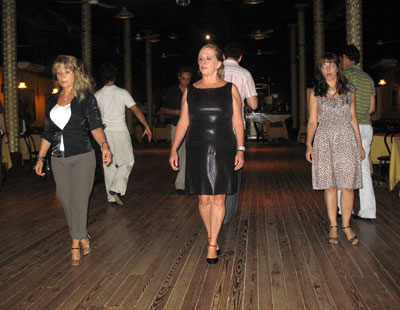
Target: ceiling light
(55,91)
(173,36)
(124,14)
(183,3)
(382,82)
(258,35)
(253,1)
(138,37)
(155,38)
(21,85)
(208,37)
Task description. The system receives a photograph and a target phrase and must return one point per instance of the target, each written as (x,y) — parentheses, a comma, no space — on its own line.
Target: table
(394,168)
(261,118)
(275,130)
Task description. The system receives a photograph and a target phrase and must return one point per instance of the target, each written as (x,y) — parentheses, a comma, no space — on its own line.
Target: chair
(260,132)
(384,160)
(30,145)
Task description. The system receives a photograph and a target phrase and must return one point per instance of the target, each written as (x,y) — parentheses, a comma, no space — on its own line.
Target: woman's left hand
(239,160)
(362,153)
(106,155)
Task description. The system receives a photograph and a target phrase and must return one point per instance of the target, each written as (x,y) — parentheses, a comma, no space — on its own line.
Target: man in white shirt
(112,101)
(244,82)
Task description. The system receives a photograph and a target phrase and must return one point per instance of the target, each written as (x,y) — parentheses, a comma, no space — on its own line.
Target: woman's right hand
(309,154)
(39,168)
(174,160)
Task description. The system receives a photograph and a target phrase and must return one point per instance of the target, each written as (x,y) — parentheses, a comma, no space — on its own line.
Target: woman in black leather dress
(211,119)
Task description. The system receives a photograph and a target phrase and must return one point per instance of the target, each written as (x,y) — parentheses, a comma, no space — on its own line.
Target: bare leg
(330,196)
(347,202)
(212,212)
(205,211)
(217,218)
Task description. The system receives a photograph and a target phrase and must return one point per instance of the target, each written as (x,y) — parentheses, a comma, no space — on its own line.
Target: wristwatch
(241,148)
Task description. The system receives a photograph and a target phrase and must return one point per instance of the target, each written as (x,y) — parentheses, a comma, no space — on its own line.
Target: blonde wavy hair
(218,54)
(82,83)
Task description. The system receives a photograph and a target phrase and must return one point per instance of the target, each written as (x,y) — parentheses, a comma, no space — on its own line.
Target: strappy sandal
(88,249)
(333,240)
(75,262)
(354,240)
(218,249)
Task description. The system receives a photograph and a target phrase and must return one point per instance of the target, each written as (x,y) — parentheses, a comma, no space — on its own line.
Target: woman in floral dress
(337,152)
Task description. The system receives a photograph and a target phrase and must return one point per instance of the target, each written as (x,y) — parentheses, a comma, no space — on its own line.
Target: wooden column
(86,37)
(319,38)
(354,25)
(302,63)
(128,69)
(149,84)
(293,75)
(9,23)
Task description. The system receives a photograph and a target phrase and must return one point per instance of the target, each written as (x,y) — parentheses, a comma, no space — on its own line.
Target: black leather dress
(210,142)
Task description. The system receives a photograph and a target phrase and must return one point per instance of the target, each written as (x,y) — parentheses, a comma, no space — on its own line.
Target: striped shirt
(365,90)
(243,80)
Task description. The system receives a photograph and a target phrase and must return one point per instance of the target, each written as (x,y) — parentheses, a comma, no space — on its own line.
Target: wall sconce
(382,82)
(54,91)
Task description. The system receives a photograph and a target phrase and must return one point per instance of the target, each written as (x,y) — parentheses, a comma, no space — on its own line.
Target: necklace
(66,97)
(332,92)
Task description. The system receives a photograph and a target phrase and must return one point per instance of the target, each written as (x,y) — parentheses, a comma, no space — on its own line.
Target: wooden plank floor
(150,254)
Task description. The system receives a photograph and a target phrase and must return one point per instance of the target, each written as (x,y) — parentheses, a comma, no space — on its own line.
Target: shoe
(218,249)
(356,217)
(88,249)
(117,197)
(113,204)
(333,240)
(180,192)
(354,240)
(76,262)
(212,261)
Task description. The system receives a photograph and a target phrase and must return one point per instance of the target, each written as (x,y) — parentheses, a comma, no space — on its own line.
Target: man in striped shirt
(365,106)
(243,80)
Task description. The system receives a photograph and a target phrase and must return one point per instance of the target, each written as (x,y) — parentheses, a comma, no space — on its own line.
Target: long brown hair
(320,85)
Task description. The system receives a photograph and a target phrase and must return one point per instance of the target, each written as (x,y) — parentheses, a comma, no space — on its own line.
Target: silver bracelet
(241,148)
(42,159)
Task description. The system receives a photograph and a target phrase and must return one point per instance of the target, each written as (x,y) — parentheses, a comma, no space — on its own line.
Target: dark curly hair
(320,85)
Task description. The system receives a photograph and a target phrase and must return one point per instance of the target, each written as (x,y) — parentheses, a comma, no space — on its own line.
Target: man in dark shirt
(172,107)
(3,136)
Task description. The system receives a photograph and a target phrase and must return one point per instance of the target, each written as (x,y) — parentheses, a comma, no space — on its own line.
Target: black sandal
(351,240)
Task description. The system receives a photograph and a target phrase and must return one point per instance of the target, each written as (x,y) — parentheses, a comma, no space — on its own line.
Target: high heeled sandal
(212,261)
(88,249)
(333,240)
(354,238)
(75,262)
(218,249)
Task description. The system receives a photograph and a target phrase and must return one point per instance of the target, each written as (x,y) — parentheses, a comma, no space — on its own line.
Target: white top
(112,101)
(60,115)
(243,80)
